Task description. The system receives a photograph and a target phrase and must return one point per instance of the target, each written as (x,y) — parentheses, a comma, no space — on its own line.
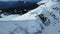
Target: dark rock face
(44,19)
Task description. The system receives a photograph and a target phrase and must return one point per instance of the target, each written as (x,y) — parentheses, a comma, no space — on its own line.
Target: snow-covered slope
(51,17)
(45,19)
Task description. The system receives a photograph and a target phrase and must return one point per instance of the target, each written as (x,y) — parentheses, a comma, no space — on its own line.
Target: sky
(8,0)
(9,4)
(18,0)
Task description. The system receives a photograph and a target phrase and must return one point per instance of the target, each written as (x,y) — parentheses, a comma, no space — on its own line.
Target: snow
(31,23)
(17,17)
(23,24)
(7,26)
(54,16)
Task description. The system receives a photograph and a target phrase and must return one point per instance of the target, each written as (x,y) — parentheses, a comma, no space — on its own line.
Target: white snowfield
(31,23)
